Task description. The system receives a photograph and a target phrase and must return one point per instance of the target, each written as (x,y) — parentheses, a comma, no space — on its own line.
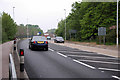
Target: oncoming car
(38,42)
(59,39)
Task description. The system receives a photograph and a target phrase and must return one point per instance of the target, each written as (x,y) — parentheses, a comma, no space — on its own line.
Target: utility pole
(27,28)
(65,23)
(117,25)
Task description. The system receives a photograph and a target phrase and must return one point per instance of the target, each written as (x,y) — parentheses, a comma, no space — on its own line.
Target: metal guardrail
(12,71)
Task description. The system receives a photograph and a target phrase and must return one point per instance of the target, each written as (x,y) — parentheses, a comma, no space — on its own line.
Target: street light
(65,23)
(13,13)
(117,25)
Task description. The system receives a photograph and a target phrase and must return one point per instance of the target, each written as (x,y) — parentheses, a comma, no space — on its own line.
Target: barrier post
(21,60)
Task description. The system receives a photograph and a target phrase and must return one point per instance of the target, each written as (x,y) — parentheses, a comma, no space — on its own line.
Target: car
(59,40)
(38,42)
(48,38)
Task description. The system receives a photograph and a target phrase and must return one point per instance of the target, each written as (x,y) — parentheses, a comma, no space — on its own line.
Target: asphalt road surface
(64,62)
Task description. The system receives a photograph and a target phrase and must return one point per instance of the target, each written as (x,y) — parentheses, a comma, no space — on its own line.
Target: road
(64,62)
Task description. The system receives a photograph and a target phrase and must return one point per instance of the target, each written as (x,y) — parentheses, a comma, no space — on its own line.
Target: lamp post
(13,13)
(117,25)
(65,23)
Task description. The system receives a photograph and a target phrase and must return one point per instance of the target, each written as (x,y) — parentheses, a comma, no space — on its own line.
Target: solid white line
(91,57)
(62,54)
(108,69)
(99,62)
(50,49)
(84,64)
(116,77)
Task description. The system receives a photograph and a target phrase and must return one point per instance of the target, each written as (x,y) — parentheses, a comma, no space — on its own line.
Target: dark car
(48,38)
(59,40)
(38,42)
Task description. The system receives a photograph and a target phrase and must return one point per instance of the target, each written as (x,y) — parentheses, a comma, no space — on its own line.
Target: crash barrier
(21,60)
(12,71)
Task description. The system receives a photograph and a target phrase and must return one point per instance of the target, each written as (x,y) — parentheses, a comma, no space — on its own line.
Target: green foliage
(8,27)
(51,31)
(32,30)
(86,17)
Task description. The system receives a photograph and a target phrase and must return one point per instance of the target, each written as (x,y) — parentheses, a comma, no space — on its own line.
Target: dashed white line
(61,54)
(108,69)
(84,64)
(50,49)
(99,62)
(116,77)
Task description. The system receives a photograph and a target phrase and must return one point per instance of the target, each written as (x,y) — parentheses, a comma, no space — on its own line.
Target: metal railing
(12,71)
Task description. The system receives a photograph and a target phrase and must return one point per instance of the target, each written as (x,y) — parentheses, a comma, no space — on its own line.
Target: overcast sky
(45,13)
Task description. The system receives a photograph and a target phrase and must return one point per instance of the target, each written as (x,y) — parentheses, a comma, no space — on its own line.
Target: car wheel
(46,49)
(29,47)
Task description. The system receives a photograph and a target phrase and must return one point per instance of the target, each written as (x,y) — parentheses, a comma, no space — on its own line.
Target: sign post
(102,32)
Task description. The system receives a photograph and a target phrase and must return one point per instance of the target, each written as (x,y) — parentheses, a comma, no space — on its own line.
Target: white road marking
(62,54)
(91,57)
(109,69)
(50,49)
(116,77)
(99,61)
(84,64)
(78,52)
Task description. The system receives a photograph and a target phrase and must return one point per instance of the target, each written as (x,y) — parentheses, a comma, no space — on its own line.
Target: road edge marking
(84,64)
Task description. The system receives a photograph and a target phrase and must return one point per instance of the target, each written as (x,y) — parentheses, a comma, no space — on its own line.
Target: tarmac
(99,50)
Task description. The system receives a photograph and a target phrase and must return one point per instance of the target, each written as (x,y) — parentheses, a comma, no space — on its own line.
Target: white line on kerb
(62,54)
(84,64)
(108,69)
(50,49)
(116,77)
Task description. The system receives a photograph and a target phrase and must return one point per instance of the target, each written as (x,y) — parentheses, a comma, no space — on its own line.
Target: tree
(9,27)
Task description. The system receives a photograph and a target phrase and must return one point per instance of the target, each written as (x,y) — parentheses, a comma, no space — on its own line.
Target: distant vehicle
(38,42)
(59,40)
(48,38)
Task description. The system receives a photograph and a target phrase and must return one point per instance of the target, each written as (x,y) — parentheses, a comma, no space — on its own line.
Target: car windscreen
(39,38)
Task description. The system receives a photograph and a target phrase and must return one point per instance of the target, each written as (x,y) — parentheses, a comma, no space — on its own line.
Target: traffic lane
(48,64)
(103,62)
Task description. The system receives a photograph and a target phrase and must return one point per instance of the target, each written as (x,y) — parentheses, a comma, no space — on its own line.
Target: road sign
(39,32)
(72,31)
(101,31)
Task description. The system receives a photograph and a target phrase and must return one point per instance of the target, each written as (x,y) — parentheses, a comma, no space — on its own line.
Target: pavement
(66,62)
(6,50)
(100,50)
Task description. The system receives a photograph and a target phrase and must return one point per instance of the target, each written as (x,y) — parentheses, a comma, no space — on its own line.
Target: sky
(45,13)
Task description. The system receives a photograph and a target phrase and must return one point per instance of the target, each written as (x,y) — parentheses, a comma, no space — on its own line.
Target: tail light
(34,42)
(46,42)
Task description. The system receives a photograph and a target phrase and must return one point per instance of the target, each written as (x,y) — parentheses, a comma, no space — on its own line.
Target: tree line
(10,30)
(86,18)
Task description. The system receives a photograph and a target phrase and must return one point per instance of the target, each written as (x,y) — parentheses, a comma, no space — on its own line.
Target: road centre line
(50,49)
(61,54)
(109,69)
(91,57)
(99,61)
(116,77)
(84,64)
